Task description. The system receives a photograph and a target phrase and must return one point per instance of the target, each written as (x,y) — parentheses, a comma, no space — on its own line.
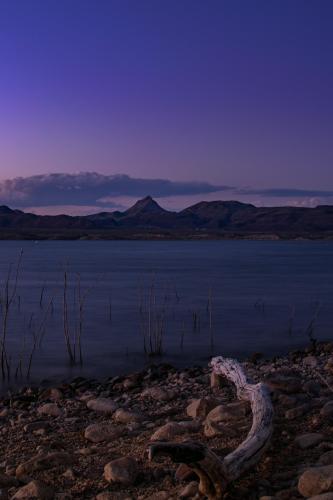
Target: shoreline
(52,235)
(61,440)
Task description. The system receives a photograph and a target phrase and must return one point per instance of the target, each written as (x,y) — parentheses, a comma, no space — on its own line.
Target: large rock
(122,470)
(168,431)
(158,394)
(42,462)
(102,432)
(199,408)
(102,405)
(34,490)
(316,480)
(309,440)
(49,409)
(126,416)
(228,412)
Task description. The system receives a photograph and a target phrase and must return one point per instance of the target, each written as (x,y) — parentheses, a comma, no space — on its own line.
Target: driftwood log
(213,471)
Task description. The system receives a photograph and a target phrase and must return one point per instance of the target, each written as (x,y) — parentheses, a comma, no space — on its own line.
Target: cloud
(285,193)
(91,188)
(90,192)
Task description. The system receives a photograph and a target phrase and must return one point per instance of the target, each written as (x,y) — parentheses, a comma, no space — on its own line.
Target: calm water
(240,296)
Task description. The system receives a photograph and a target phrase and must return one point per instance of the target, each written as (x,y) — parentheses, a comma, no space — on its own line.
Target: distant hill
(147,219)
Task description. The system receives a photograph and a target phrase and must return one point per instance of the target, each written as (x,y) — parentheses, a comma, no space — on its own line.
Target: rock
(130,383)
(108,495)
(327,409)
(329,364)
(69,474)
(105,495)
(309,440)
(227,412)
(297,412)
(284,383)
(102,405)
(122,470)
(37,426)
(42,462)
(102,432)
(199,408)
(126,416)
(185,473)
(159,495)
(49,409)
(7,481)
(312,387)
(167,432)
(158,394)
(316,480)
(34,489)
(53,394)
(287,400)
(310,361)
(324,496)
(326,458)
(86,396)
(190,490)
(213,429)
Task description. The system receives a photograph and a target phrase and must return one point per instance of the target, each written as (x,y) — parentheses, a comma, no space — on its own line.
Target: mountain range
(146,219)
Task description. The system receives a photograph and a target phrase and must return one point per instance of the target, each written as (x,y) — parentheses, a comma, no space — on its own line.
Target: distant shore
(147,220)
(121,235)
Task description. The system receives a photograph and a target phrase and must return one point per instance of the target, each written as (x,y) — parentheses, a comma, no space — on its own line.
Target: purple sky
(227,92)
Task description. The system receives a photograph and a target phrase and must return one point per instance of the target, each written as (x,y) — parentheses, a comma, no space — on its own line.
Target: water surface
(227,297)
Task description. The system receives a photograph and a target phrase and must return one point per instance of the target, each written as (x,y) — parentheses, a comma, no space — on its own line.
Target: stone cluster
(88,439)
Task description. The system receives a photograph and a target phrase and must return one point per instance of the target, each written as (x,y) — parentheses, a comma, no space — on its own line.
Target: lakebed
(89,438)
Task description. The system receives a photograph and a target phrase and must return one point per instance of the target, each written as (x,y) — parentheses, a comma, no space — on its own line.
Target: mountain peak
(145,205)
(4,210)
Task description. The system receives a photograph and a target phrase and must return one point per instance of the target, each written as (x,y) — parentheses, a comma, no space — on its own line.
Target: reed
(153,320)
(309,331)
(66,320)
(7,299)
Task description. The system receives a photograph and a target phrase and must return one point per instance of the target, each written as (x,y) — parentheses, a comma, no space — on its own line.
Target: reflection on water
(186,299)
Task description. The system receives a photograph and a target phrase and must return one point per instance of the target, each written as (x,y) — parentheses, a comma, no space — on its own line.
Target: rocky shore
(88,439)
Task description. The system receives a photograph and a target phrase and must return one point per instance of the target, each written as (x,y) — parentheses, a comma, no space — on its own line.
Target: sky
(184,99)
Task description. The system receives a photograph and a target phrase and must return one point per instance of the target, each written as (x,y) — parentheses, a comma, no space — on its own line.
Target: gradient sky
(232,92)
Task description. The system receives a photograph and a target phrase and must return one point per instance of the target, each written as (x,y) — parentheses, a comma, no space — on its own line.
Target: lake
(188,299)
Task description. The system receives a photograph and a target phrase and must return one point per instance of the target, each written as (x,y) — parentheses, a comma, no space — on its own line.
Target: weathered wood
(216,472)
